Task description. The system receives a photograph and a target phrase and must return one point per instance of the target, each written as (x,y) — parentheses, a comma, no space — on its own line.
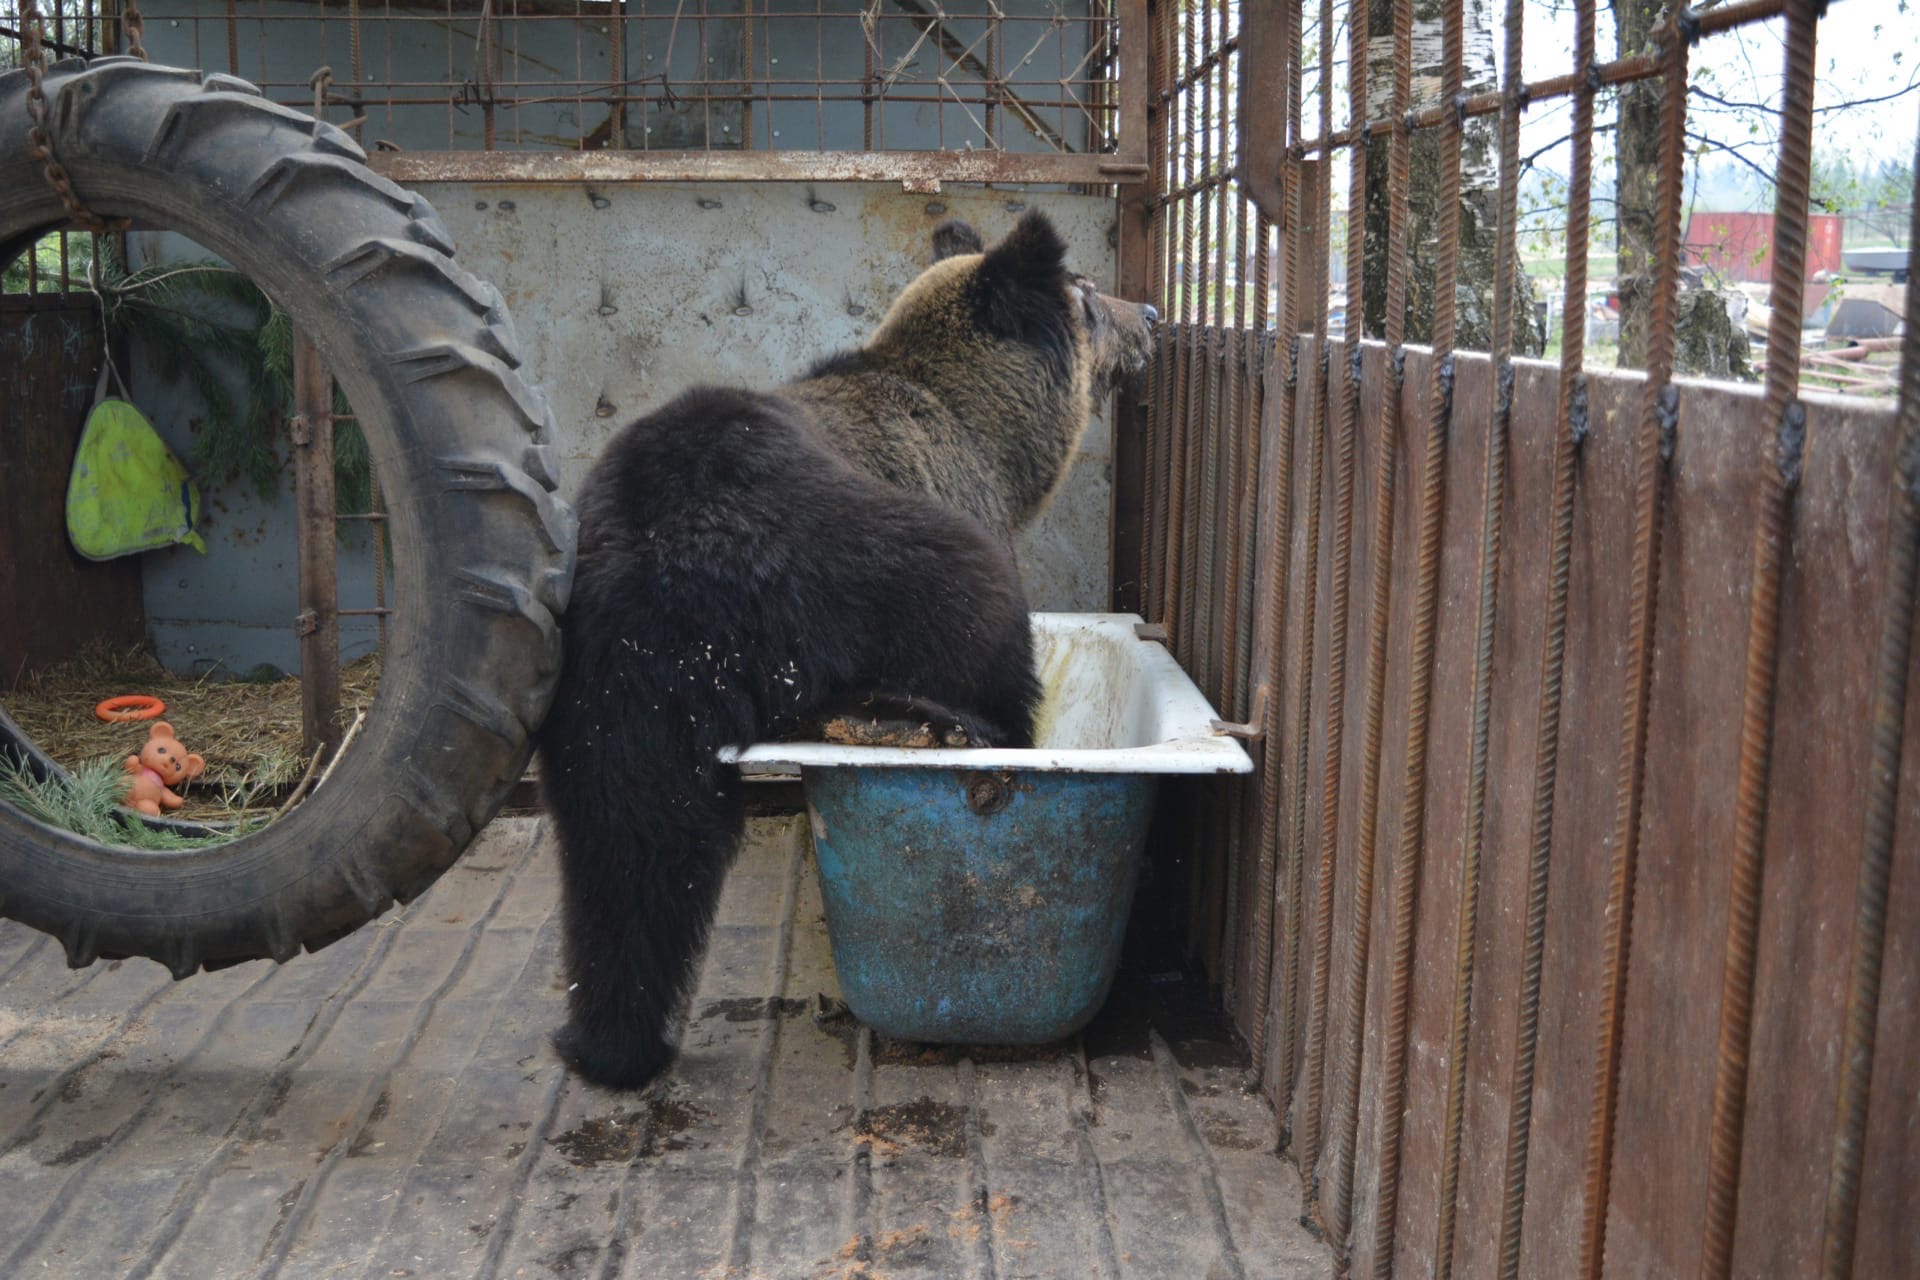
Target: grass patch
(87,803)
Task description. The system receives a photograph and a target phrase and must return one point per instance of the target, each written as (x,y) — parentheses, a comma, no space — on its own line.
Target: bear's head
(167,756)
(1016,299)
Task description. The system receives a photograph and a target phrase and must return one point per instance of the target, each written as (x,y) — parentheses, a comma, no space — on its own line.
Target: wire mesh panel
(1022,76)
(1571,874)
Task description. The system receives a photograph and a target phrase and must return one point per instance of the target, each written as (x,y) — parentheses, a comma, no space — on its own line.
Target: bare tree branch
(1769,109)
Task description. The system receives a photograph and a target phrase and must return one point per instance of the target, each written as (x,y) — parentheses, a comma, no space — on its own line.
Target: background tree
(1479,184)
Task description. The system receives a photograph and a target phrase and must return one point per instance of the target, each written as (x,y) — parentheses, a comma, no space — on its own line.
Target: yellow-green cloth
(128,493)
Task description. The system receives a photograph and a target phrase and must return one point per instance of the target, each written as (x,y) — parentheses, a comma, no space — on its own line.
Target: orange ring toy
(130,706)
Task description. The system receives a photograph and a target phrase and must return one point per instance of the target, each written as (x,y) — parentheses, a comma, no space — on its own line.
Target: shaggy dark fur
(736,580)
(750,564)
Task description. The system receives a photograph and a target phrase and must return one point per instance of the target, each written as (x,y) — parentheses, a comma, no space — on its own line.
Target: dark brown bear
(752,563)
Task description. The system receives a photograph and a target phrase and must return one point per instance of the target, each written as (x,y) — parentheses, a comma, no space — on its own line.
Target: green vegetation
(87,803)
(205,324)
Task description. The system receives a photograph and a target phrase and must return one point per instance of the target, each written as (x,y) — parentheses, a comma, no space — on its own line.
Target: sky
(1867,49)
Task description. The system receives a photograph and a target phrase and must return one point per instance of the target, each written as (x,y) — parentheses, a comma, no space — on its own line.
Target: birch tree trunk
(1636,170)
(1479,184)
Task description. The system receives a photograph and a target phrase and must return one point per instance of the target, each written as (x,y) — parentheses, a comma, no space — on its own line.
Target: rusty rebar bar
(1492,505)
(1200,554)
(1378,618)
(1153,558)
(1273,754)
(316,624)
(1318,430)
(1883,795)
(1426,608)
(1180,394)
(1212,833)
(1221,531)
(1640,66)
(1659,422)
(1339,601)
(1572,427)
(1771,536)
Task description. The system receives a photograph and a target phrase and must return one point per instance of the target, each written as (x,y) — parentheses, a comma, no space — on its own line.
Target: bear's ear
(953,238)
(196,765)
(1021,284)
(1032,251)
(161,729)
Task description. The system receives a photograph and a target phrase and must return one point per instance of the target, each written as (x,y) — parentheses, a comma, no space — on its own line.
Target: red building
(1740,245)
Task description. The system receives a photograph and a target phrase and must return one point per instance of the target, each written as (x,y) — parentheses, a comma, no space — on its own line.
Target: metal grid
(55,265)
(1034,77)
(1484,987)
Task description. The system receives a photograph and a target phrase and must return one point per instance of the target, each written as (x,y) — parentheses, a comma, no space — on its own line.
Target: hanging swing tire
(483,551)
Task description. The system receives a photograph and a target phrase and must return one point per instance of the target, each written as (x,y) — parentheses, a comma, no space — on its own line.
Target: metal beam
(918,170)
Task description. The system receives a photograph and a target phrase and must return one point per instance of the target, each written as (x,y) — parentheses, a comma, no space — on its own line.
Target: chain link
(39,141)
(134,26)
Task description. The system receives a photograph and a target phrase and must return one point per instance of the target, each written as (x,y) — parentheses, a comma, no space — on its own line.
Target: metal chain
(39,141)
(133,25)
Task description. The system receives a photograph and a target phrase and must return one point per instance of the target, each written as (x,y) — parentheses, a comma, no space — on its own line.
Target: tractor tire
(482,549)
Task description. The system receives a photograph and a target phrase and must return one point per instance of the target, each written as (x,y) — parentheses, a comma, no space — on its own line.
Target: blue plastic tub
(980,897)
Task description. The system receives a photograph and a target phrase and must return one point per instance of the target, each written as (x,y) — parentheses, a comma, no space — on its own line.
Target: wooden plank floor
(390,1107)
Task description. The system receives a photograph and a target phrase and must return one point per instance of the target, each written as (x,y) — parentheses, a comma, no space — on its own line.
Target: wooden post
(318,621)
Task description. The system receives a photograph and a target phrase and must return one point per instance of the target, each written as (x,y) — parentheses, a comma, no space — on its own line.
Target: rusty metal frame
(976,58)
(1249,519)
(916,170)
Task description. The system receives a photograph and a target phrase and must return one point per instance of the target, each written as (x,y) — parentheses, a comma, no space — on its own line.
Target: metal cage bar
(1273,477)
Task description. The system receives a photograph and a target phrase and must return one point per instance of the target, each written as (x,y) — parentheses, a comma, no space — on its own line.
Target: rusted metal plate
(1583,825)
(1309,561)
(1135,269)
(1262,137)
(317,625)
(1408,435)
(1519,628)
(1436,919)
(1829,638)
(1393,748)
(1887,1240)
(1369,434)
(923,170)
(1309,993)
(52,602)
(1679,919)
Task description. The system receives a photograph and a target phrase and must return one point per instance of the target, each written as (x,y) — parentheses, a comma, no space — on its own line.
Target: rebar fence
(1569,917)
(1027,89)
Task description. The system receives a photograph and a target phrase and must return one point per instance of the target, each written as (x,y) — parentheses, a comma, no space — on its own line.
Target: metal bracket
(1228,729)
(1792,439)
(1687,23)
(301,429)
(1579,426)
(1666,416)
(1151,631)
(306,622)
